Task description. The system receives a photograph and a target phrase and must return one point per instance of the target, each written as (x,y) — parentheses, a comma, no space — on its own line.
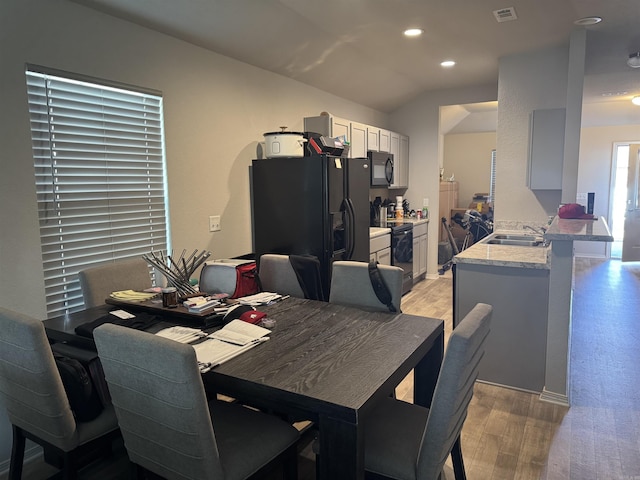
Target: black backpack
(379,287)
(83,398)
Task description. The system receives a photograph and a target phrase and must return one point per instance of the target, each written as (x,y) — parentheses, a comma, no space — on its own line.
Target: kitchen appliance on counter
(402,252)
(381,168)
(316,205)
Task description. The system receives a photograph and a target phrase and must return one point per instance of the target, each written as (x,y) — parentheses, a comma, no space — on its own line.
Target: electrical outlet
(581,198)
(214,223)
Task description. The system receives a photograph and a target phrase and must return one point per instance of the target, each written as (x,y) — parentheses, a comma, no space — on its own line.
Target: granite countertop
(585,230)
(505,255)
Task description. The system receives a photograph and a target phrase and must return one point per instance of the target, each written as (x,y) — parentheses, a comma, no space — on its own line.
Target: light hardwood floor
(513,435)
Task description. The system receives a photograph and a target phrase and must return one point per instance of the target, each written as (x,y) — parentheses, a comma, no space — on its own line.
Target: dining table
(326,363)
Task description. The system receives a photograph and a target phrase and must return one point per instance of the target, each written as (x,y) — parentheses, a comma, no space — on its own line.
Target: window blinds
(100,178)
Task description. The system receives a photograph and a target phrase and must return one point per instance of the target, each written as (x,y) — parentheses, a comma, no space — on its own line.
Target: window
(492,179)
(98,153)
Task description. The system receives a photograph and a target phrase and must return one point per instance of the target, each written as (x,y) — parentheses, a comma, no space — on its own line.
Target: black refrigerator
(316,205)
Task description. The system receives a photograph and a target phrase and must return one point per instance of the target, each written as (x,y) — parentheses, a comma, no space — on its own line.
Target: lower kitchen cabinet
(419,250)
(380,249)
(515,353)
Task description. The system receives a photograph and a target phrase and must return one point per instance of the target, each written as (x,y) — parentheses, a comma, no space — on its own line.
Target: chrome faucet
(539,231)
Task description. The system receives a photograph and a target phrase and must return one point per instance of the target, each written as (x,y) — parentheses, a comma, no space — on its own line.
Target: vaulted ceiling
(355,48)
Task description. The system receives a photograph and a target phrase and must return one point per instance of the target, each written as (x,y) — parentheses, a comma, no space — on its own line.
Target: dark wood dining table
(324,362)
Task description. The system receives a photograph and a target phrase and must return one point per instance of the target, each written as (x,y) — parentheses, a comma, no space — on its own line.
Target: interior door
(631,241)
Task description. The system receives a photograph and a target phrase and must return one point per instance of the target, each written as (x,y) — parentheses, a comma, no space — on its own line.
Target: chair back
(351,285)
(30,384)
(99,281)
(454,390)
(157,391)
(277,275)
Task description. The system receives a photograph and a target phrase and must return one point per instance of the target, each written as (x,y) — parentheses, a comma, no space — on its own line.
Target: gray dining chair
(408,442)
(167,424)
(99,281)
(277,275)
(295,275)
(31,389)
(351,285)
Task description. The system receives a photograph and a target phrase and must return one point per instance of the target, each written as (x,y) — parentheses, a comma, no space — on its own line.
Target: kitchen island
(530,289)
(515,280)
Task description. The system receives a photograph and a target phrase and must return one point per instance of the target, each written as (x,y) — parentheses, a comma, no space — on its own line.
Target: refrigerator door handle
(350,228)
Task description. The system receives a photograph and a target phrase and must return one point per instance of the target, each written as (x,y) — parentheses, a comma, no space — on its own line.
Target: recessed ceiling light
(636,100)
(634,60)
(413,32)
(447,63)
(586,21)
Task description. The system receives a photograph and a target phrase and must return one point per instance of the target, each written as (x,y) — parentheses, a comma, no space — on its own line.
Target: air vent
(505,14)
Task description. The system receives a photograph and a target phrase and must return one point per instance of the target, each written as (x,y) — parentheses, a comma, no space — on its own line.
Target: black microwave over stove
(381,168)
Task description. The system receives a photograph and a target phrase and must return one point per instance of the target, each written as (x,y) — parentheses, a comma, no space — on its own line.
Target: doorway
(620,167)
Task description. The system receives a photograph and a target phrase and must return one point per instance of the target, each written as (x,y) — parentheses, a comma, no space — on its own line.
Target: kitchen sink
(514,240)
(509,236)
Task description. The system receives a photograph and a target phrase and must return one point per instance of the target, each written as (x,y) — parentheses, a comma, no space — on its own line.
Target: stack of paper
(132,296)
(233,339)
(200,304)
(262,298)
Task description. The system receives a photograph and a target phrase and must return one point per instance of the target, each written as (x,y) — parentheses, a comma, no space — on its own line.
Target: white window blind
(100,178)
(492,184)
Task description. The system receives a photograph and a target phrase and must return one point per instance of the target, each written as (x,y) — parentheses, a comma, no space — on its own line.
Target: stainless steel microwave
(381,168)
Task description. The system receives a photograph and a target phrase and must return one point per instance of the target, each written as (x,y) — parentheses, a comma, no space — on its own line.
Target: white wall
(468,157)
(420,120)
(527,82)
(216,110)
(594,174)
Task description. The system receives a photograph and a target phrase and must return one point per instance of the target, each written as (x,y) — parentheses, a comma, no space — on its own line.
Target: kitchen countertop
(392,222)
(585,230)
(505,255)
(378,231)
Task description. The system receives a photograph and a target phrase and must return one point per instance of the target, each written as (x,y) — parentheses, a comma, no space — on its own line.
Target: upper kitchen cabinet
(399,147)
(330,126)
(384,141)
(373,139)
(546,149)
(358,140)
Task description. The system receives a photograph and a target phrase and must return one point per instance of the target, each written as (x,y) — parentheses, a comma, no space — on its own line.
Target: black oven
(402,252)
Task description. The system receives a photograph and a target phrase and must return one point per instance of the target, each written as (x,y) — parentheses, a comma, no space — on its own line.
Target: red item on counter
(575,211)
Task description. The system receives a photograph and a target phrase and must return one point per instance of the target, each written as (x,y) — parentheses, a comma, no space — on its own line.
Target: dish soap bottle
(425,208)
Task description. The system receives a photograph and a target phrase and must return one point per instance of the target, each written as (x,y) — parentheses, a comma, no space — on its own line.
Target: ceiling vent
(505,14)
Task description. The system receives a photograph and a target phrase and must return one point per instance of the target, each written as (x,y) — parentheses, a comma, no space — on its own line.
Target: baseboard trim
(556,398)
(35,452)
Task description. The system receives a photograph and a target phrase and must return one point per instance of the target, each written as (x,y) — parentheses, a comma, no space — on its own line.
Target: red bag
(236,278)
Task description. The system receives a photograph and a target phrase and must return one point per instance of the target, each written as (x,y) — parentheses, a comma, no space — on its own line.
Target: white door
(631,241)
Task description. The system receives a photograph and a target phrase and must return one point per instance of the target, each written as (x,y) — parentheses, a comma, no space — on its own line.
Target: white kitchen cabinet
(380,247)
(399,146)
(546,149)
(420,250)
(384,141)
(373,139)
(358,140)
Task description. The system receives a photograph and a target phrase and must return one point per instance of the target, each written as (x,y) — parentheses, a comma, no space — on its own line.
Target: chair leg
(17,454)
(456,459)
(290,463)
(69,467)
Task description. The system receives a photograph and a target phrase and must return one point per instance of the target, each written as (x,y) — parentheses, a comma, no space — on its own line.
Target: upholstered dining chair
(278,274)
(409,442)
(99,281)
(351,285)
(31,389)
(167,425)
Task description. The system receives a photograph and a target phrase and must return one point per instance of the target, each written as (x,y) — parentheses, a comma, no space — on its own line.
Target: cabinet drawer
(378,243)
(420,229)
